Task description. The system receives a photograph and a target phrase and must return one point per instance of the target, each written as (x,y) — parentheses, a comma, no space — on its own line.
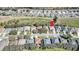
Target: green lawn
(74,22)
(52,49)
(39,20)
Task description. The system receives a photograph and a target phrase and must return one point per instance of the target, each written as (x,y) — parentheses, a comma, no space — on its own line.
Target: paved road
(55,35)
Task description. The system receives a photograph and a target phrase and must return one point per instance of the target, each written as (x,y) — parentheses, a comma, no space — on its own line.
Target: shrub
(14,32)
(42,30)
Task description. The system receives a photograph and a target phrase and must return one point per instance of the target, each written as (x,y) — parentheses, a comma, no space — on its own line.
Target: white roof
(1,39)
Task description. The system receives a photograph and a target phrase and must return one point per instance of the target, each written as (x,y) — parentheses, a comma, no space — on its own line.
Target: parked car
(64,43)
(47,43)
(72,45)
(55,42)
(30,44)
(77,41)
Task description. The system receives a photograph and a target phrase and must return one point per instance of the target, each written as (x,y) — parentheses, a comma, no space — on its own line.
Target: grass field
(40,20)
(17,48)
(74,22)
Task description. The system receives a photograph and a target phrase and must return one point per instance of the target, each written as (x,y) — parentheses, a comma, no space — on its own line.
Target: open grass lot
(74,22)
(17,48)
(5,18)
(53,49)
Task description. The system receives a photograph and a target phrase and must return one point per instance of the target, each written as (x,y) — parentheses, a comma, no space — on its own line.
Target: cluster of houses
(28,39)
(40,11)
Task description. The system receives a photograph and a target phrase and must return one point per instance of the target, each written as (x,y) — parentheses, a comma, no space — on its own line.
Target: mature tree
(55,19)
(14,32)
(1,24)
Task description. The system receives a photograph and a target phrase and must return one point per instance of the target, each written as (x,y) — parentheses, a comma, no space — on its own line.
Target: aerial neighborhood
(39,29)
